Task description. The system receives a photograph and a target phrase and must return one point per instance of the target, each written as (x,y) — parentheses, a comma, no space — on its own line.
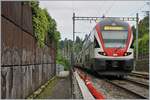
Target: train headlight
(127,53)
(102,53)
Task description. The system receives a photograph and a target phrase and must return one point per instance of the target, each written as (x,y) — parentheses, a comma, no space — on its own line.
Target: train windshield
(115,39)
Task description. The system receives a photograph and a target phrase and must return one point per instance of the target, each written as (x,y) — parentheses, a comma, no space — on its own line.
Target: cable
(137,10)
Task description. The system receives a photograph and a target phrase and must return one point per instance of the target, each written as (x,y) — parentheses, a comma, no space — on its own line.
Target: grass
(48,89)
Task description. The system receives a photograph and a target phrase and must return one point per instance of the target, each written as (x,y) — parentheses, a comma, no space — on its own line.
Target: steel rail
(137,82)
(139,75)
(131,91)
(144,74)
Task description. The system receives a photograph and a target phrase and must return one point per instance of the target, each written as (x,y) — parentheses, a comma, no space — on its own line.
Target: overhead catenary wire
(106,12)
(109,8)
(137,10)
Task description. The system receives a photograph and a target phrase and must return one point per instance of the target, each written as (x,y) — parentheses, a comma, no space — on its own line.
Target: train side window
(96,45)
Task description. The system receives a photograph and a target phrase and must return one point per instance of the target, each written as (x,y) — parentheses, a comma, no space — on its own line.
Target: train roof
(109,21)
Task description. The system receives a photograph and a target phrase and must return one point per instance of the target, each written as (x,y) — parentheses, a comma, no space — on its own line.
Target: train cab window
(115,38)
(96,45)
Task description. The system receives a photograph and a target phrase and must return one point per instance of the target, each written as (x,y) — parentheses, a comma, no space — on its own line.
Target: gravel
(110,91)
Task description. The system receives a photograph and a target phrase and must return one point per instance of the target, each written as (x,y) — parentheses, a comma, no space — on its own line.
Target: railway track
(128,88)
(144,84)
(132,87)
(140,75)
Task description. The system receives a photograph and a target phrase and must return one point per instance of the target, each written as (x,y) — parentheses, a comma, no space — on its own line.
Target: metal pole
(137,18)
(149,33)
(72,58)
(73,37)
(149,37)
(73,27)
(148,3)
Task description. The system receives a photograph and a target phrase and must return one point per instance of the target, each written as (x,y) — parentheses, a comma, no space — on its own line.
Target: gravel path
(60,88)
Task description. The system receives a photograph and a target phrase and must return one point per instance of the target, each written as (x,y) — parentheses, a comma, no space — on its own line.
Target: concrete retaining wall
(25,66)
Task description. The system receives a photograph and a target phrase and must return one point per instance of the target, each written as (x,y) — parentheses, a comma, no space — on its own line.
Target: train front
(114,55)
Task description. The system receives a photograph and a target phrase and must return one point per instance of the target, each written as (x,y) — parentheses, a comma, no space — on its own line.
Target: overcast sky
(62,12)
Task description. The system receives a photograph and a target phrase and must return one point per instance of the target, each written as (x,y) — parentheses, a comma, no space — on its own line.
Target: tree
(143,26)
(78,40)
(86,36)
(143,35)
(43,25)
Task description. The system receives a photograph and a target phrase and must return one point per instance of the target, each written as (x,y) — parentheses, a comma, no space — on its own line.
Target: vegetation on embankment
(143,30)
(44,26)
(65,51)
(62,60)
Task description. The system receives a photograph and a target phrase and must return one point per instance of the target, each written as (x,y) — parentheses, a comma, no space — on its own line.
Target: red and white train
(107,50)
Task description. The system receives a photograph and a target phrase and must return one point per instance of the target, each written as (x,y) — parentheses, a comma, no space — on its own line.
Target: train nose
(115,54)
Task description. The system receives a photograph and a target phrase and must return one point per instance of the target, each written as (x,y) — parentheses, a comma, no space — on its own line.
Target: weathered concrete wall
(25,66)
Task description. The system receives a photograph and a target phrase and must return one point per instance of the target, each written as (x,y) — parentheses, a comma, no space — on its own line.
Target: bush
(143,44)
(63,61)
(43,24)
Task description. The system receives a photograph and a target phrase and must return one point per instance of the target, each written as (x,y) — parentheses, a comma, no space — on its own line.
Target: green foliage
(43,24)
(40,26)
(78,45)
(52,30)
(64,53)
(56,38)
(63,61)
(143,40)
(143,43)
(143,26)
